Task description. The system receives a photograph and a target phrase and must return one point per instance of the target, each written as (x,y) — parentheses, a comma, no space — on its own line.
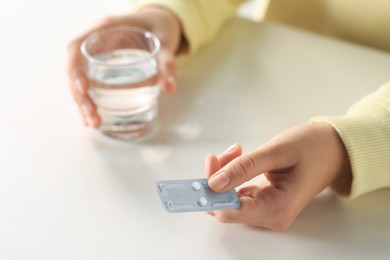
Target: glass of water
(123,73)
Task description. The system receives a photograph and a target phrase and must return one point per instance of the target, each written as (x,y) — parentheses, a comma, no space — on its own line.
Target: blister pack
(194,195)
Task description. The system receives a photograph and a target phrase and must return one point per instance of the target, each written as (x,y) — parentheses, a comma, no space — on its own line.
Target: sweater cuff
(200,20)
(366,139)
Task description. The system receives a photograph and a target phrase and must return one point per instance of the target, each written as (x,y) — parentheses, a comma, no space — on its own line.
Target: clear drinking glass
(123,73)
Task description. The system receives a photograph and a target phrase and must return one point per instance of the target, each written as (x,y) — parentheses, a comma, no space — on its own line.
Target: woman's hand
(157,20)
(297,164)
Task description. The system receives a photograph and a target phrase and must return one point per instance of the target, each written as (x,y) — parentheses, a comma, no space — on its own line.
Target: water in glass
(126,96)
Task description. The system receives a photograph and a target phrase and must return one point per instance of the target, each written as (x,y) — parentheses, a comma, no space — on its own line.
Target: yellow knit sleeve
(365,131)
(200,19)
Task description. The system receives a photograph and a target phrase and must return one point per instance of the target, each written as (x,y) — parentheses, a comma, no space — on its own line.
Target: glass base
(128,132)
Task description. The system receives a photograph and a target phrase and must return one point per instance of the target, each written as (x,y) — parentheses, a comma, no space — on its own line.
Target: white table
(67,193)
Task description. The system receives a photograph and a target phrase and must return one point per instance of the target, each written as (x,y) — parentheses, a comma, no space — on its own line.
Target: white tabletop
(68,193)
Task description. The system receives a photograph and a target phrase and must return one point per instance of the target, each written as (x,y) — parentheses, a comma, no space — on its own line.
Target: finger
(211,213)
(248,191)
(89,114)
(266,207)
(76,68)
(85,113)
(229,154)
(78,85)
(87,109)
(167,70)
(211,165)
(240,215)
(248,166)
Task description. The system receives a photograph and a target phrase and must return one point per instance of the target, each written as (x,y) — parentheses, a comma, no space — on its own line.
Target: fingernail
(85,111)
(230,148)
(172,81)
(79,85)
(219,181)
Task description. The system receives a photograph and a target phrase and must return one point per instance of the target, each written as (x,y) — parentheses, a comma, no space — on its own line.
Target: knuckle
(72,45)
(105,21)
(170,64)
(244,166)
(167,59)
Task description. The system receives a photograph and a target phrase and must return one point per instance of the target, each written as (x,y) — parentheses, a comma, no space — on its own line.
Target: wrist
(168,22)
(341,169)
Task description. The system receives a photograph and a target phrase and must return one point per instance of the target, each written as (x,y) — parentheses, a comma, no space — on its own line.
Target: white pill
(196,186)
(202,201)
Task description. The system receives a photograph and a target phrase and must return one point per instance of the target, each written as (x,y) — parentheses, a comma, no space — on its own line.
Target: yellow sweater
(365,129)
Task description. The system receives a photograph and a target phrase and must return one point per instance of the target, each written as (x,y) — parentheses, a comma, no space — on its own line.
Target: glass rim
(152,36)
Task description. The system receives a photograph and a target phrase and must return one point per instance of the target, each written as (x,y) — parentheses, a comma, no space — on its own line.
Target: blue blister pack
(194,195)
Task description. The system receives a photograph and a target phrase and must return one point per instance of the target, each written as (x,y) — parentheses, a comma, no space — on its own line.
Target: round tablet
(196,186)
(202,201)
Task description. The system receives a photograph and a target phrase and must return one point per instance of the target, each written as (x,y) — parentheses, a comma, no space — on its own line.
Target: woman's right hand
(297,165)
(155,19)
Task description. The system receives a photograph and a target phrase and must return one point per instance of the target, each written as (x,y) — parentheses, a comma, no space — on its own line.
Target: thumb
(167,69)
(250,165)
